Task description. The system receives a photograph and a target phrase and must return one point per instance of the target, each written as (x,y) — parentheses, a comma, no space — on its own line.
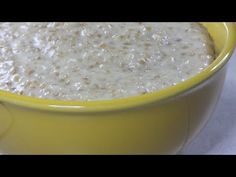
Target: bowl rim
(128,102)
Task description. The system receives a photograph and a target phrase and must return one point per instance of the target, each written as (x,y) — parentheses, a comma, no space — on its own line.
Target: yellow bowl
(156,123)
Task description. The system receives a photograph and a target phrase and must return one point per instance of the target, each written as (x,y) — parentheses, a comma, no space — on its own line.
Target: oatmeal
(99,61)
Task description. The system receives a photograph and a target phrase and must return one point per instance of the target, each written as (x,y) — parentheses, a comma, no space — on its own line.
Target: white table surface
(219,135)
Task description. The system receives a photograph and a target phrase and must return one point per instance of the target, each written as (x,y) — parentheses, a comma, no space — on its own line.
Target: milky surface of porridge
(99,61)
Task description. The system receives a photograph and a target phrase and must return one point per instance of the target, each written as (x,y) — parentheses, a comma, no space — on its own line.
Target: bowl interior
(219,34)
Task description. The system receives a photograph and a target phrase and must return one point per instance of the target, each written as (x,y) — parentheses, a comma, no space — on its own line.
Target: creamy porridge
(97,61)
